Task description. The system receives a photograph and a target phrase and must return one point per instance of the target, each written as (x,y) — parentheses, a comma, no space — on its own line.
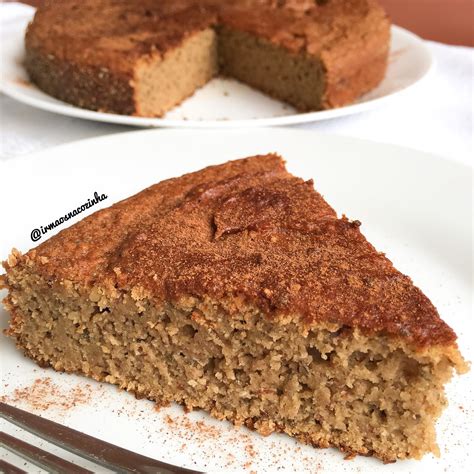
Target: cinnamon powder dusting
(207,436)
(44,394)
(205,439)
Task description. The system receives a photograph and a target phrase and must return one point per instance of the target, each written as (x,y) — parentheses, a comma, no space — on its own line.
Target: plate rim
(62,108)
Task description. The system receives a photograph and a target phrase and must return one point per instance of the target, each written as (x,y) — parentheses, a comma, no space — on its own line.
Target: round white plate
(222,103)
(413,206)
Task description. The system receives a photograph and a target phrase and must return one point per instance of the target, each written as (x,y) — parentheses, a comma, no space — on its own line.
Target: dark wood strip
(37,456)
(7,468)
(96,450)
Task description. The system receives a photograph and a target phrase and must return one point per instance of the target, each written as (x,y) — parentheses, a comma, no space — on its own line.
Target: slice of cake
(144,57)
(238,290)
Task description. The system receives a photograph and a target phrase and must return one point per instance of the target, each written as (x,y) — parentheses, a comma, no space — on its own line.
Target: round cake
(145,57)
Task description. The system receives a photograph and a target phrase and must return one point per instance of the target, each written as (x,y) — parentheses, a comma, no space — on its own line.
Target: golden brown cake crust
(85,51)
(250,232)
(94,31)
(307,26)
(113,33)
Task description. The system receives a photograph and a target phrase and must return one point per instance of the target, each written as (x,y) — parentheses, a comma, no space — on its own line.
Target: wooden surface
(447,21)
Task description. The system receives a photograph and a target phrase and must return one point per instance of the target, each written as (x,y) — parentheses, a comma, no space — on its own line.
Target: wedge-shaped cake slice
(238,290)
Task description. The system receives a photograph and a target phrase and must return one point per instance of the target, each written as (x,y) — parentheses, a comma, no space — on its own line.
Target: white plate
(414,206)
(222,103)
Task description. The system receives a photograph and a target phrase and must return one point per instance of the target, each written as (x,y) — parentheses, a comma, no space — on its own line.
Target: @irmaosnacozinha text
(36,234)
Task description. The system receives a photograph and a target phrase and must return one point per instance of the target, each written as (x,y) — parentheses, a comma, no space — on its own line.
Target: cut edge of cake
(180,72)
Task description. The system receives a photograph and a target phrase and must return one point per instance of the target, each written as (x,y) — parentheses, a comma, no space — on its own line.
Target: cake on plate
(238,290)
(145,57)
